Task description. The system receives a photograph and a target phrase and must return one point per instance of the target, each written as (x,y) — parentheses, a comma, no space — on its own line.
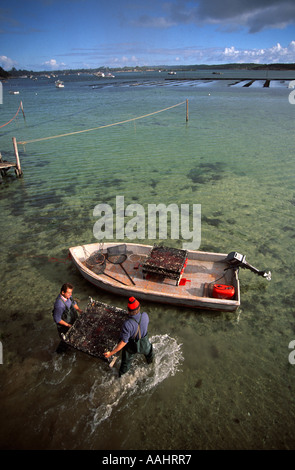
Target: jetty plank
(7,165)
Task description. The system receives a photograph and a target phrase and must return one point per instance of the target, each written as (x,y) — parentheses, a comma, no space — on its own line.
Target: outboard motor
(236,260)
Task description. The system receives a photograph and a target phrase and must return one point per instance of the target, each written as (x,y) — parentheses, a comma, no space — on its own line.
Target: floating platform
(97,330)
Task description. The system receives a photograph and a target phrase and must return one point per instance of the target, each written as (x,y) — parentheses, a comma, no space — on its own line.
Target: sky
(70,34)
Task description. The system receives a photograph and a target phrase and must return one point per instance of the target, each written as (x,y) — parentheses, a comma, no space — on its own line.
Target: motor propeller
(236,260)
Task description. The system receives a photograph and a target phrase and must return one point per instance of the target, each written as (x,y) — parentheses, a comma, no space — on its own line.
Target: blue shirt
(129,327)
(60,306)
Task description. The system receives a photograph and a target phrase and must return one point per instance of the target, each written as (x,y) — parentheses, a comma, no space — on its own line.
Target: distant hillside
(248,66)
(13,73)
(256,66)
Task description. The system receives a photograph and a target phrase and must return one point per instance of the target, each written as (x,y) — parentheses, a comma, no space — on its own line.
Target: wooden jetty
(6,166)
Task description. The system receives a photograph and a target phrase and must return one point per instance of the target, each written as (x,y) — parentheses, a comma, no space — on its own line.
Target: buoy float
(222,291)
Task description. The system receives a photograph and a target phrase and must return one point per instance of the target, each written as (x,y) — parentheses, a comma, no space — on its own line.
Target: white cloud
(213,55)
(6,63)
(124,61)
(274,54)
(132,54)
(53,64)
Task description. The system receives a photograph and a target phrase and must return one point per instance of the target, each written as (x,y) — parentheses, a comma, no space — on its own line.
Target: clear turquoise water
(221,380)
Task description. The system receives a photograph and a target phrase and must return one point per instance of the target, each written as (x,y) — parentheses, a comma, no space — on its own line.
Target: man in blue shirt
(65,310)
(134,337)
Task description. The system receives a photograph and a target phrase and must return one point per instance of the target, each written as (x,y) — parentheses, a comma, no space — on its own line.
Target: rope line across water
(20,107)
(99,127)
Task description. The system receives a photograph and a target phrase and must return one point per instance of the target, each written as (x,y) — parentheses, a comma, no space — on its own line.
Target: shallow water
(221,380)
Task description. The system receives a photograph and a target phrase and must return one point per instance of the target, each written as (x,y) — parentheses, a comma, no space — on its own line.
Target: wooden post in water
(18,169)
(186,110)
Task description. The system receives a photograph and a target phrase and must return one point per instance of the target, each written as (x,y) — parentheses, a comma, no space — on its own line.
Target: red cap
(133,303)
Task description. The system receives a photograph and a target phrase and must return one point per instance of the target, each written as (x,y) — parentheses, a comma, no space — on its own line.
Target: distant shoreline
(13,73)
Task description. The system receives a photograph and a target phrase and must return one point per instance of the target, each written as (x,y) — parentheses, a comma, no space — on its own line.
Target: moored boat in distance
(99,74)
(59,84)
(161,274)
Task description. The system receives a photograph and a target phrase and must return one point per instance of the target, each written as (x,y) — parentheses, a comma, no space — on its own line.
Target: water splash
(108,392)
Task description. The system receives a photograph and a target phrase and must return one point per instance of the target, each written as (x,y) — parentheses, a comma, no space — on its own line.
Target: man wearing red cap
(134,337)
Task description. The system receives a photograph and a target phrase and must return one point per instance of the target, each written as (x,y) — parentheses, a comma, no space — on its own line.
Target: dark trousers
(142,346)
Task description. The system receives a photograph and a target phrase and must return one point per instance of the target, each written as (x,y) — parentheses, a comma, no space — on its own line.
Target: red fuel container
(222,291)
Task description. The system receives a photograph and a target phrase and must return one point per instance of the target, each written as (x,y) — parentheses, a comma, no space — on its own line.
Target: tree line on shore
(14,73)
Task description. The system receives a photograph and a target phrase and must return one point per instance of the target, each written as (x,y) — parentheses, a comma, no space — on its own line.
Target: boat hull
(202,269)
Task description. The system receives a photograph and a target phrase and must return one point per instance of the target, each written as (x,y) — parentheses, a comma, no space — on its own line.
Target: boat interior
(200,272)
